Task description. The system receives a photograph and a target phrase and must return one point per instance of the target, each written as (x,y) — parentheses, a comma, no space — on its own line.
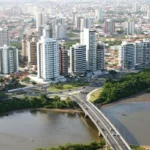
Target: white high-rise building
(8,60)
(60,31)
(128,55)
(78,59)
(78,22)
(99,16)
(39,22)
(86,22)
(130,27)
(4,37)
(136,7)
(88,38)
(148,15)
(47,59)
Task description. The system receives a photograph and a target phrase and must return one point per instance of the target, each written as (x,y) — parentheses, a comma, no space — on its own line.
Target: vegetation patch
(35,102)
(66,86)
(125,87)
(92,146)
(95,95)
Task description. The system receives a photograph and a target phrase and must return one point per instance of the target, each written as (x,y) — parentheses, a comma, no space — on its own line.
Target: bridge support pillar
(86,116)
(99,134)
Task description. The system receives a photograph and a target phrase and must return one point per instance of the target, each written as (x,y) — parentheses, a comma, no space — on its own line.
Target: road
(108,131)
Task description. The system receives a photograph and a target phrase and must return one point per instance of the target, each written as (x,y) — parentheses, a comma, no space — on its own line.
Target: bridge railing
(108,121)
(94,123)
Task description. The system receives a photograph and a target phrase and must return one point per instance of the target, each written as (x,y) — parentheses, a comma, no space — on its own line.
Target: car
(60,91)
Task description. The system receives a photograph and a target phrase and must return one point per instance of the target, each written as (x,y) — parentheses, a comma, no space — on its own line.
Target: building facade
(4,37)
(128,55)
(109,26)
(47,59)
(63,57)
(39,22)
(130,27)
(8,60)
(78,59)
(99,15)
(24,52)
(32,52)
(88,38)
(100,56)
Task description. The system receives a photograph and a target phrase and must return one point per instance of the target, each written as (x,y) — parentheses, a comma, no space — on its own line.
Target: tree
(112,72)
(1,80)
(26,80)
(33,82)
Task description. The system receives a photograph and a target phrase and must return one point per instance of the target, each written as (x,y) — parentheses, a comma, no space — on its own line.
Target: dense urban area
(74,56)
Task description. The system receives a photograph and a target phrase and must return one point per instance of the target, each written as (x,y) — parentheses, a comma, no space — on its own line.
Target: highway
(109,132)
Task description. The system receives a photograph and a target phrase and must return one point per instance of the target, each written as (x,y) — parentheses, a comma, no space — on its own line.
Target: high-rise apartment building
(39,22)
(47,59)
(88,38)
(146,51)
(78,22)
(60,31)
(24,52)
(86,22)
(32,52)
(78,59)
(4,37)
(99,15)
(8,60)
(100,56)
(128,55)
(109,26)
(63,57)
(139,52)
(130,27)
(148,15)
(136,7)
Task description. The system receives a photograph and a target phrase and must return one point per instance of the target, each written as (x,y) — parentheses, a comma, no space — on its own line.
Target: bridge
(104,126)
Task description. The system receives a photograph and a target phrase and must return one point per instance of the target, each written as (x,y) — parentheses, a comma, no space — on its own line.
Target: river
(132,119)
(30,129)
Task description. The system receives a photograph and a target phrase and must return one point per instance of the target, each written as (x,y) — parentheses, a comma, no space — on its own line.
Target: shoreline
(140,97)
(61,110)
(46,109)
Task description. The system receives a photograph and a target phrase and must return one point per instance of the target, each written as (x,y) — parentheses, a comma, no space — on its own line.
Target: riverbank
(140,97)
(61,110)
(146,147)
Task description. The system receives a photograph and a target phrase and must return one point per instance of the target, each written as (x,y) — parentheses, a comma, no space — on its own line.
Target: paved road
(108,131)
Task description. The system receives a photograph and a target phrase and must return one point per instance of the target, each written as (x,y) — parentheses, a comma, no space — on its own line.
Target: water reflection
(45,128)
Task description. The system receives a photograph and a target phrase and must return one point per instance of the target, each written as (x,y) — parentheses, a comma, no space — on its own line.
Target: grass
(69,43)
(95,95)
(66,86)
(71,34)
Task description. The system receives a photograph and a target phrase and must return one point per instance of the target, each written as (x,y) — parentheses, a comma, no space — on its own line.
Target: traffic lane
(113,142)
(123,146)
(119,140)
(101,126)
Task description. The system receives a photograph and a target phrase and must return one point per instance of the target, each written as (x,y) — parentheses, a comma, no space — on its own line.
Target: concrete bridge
(104,126)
